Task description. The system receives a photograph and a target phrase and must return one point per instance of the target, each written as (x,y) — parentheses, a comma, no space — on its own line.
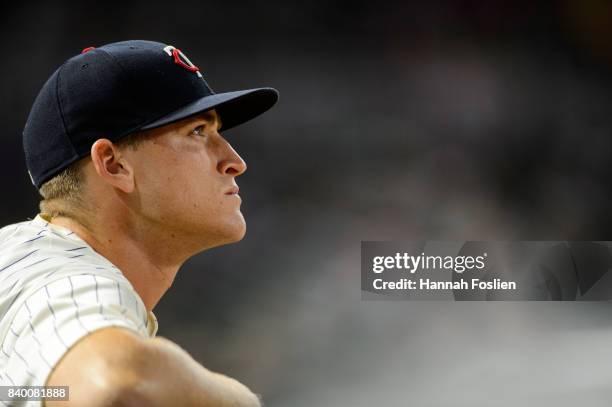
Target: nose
(230,163)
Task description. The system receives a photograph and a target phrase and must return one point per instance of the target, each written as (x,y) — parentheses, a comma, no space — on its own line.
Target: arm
(114,367)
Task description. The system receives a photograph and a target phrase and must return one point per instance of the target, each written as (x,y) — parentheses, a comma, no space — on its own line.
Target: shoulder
(54,291)
(34,254)
(48,322)
(8,230)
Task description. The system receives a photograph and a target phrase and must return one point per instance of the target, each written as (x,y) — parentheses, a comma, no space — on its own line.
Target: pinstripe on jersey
(54,290)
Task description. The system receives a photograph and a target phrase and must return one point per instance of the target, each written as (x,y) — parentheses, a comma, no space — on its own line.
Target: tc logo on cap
(181,59)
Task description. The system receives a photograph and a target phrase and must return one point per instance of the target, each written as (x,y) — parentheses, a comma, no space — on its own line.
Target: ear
(111,166)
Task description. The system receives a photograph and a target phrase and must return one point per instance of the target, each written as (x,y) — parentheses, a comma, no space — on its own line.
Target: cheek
(187,185)
(179,183)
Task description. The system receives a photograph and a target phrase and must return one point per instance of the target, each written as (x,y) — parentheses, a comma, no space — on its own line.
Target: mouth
(232,191)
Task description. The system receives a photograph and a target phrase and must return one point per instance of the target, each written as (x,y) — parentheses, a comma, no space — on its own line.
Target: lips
(233,191)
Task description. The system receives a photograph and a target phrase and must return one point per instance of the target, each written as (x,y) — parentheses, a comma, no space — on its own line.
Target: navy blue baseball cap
(118,89)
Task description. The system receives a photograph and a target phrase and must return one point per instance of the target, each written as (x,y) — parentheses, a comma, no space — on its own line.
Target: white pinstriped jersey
(54,290)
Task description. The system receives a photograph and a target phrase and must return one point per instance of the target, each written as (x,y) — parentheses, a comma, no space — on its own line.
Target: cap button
(87,49)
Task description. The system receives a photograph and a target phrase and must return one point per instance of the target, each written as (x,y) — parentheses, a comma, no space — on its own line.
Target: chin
(239,230)
(233,231)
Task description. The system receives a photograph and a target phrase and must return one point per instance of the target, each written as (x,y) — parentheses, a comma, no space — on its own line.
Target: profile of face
(184,182)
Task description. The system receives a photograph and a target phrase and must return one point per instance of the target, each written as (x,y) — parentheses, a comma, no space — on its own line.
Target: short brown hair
(62,193)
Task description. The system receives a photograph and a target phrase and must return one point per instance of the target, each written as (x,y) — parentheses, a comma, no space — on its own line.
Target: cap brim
(234,108)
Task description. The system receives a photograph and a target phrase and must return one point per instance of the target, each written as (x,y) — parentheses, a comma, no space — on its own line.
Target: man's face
(185,181)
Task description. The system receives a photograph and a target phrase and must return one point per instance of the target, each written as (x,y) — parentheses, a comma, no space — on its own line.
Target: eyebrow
(208,116)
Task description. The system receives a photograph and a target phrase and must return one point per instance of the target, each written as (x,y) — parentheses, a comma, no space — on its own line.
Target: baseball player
(123,144)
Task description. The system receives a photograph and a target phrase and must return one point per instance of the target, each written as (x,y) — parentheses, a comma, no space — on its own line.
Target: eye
(198,131)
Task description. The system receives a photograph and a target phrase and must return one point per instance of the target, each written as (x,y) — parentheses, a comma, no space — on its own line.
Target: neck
(146,258)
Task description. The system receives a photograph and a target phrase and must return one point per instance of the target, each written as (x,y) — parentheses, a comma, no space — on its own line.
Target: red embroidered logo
(181,59)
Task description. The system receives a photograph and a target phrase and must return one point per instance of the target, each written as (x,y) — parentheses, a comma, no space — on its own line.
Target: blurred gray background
(436,120)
